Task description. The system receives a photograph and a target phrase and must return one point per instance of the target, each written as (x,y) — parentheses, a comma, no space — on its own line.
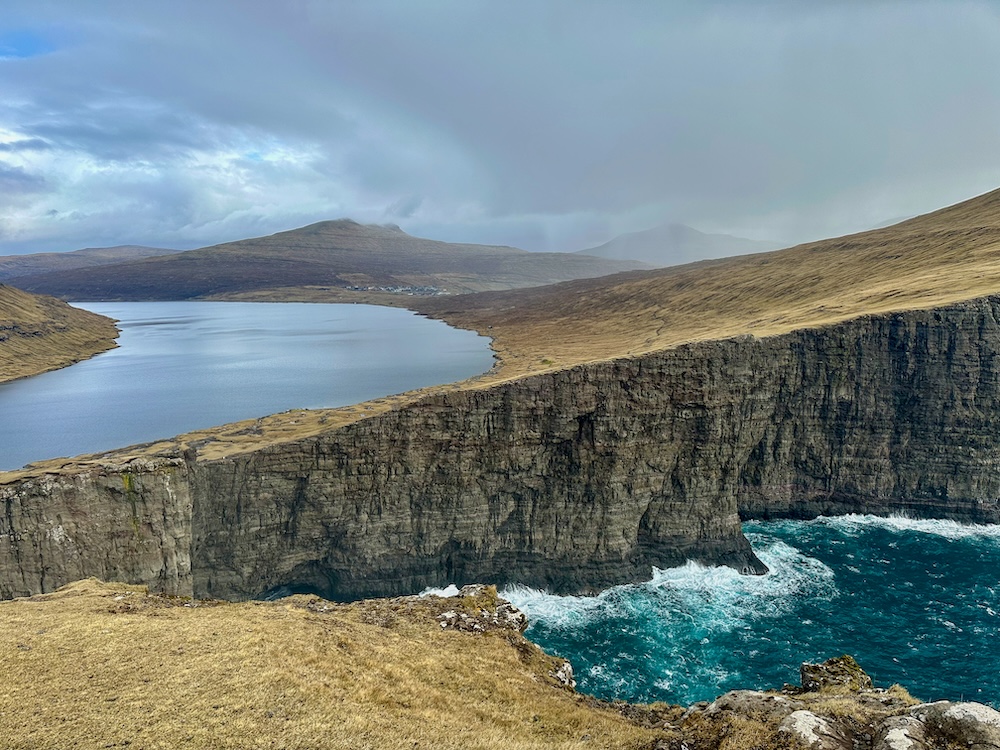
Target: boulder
(968,725)
(814,732)
(769,707)
(838,672)
(900,733)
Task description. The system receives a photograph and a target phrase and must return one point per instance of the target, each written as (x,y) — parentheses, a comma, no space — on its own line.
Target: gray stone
(900,733)
(970,725)
(766,706)
(814,732)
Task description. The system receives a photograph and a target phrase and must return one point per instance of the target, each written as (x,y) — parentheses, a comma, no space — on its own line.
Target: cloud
(404,207)
(15,181)
(25,144)
(539,124)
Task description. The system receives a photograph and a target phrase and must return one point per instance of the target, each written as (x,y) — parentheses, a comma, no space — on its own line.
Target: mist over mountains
(340,255)
(676,244)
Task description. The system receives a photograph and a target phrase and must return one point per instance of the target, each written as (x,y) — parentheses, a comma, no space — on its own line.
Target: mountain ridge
(340,255)
(13,266)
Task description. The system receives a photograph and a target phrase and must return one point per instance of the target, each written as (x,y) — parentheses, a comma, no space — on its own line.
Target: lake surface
(915,602)
(183,366)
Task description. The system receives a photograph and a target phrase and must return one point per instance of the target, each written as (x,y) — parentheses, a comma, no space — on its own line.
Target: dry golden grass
(105,665)
(946,256)
(39,333)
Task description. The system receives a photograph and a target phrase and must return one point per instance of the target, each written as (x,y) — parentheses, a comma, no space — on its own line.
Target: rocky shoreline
(836,706)
(429,671)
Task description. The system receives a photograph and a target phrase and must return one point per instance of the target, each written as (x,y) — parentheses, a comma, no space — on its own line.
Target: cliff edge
(632,423)
(97,665)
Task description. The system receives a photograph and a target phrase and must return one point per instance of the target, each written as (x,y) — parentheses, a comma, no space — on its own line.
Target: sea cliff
(571,480)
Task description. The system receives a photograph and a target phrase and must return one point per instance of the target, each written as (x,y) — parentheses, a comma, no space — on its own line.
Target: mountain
(12,266)
(41,333)
(674,244)
(949,255)
(342,256)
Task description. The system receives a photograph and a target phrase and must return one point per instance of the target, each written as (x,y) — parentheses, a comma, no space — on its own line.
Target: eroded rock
(753,703)
(968,725)
(900,733)
(815,732)
(839,672)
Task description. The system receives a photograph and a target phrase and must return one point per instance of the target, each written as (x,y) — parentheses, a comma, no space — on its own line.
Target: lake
(183,366)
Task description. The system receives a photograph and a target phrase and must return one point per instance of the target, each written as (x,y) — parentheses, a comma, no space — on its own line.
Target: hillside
(97,665)
(330,258)
(949,255)
(41,333)
(675,244)
(12,266)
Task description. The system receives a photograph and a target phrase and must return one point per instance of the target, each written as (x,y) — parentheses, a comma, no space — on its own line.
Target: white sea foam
(854,524)
(710,598)
(448,591)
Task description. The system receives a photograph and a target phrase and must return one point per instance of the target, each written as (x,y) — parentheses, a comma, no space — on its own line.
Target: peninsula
(633,422)
(39,333)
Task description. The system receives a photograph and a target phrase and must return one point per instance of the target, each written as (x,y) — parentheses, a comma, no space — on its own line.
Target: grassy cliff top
(946,256)
(42,333)
(96,665)
(107,665)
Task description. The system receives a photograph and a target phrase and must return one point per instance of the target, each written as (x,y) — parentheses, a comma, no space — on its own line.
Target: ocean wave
(445,593)
(854,524)
(712,598)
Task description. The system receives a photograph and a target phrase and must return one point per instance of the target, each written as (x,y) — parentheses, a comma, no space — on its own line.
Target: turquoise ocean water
(916,602)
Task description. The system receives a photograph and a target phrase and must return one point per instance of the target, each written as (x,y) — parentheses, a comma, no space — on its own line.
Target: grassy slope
(12,266)
(97,665)
(946,256)
(324,257)
(41,333)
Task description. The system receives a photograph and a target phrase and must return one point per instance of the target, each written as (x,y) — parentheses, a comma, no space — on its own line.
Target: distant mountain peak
(346,224)
(673,244)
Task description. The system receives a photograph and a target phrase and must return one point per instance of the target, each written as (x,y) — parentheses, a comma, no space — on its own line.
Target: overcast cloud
(546,125)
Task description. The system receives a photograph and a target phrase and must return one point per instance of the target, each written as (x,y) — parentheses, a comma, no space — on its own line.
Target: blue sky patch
(22,44)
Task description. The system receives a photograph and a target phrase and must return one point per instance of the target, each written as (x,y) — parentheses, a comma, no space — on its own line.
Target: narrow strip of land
(40,333)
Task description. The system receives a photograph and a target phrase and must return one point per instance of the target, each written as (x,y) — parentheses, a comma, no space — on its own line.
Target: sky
(543,125)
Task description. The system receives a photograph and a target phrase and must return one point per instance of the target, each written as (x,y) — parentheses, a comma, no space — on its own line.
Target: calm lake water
(189,365)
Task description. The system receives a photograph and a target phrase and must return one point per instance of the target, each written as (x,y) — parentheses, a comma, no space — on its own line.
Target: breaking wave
(915,601)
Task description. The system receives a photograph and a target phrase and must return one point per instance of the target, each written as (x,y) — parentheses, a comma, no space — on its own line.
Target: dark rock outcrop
(837,708)
(841,671)
(571,480)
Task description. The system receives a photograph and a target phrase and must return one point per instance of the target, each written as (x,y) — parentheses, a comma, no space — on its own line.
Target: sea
(916,602)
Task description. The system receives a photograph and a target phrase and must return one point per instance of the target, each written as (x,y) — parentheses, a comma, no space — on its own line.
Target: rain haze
(543,125)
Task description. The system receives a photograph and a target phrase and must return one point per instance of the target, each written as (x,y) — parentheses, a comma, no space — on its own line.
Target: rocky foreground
(108,665)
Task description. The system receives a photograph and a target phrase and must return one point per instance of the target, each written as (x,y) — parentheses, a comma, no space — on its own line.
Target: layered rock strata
(570,480)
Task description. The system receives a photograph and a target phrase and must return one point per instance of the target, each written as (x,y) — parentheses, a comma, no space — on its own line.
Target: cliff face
(125,523)
(571,480)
